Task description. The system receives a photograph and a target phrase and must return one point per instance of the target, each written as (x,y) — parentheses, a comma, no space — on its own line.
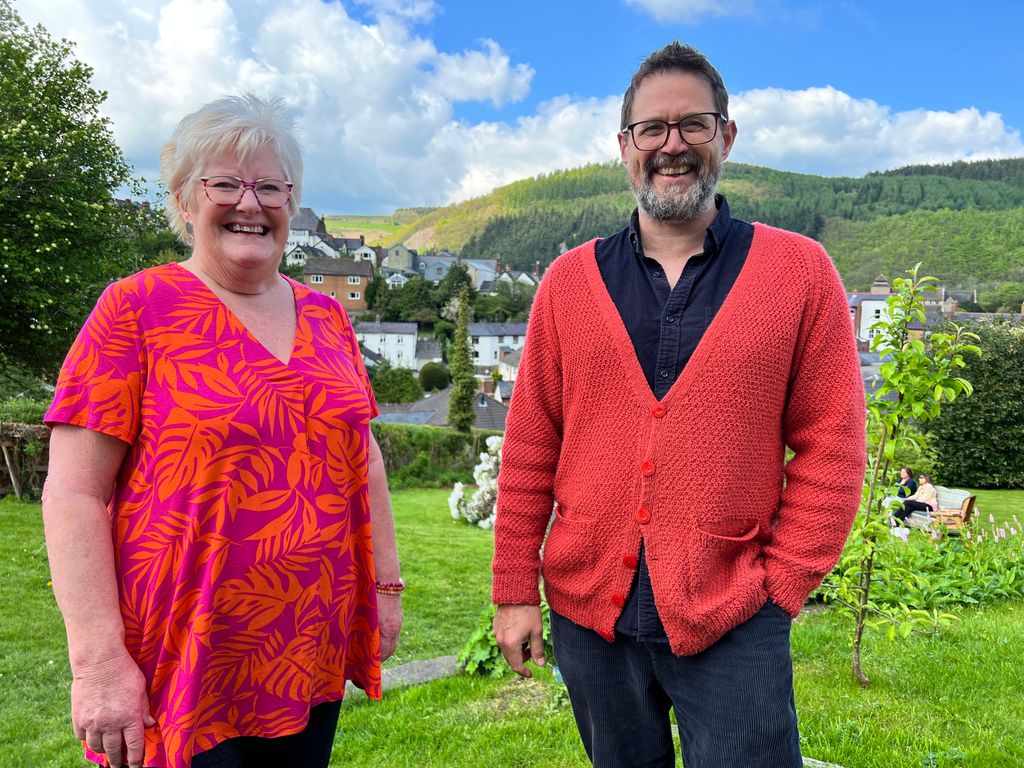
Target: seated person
(924,499)
(907,485)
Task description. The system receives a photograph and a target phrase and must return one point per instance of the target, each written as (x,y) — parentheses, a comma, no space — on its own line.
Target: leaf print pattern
(240,517)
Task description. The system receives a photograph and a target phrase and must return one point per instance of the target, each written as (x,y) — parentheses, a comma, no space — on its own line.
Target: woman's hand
(110,708)
(389,617)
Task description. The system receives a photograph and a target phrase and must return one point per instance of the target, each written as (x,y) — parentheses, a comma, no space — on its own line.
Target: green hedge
(22,410)
(428,457)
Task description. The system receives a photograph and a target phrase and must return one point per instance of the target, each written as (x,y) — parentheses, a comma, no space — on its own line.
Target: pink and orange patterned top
(240,517)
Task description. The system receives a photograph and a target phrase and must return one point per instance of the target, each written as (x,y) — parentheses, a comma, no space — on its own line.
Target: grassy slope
(951,701)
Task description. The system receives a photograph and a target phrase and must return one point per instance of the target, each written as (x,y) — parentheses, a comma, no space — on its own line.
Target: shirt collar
(713,238)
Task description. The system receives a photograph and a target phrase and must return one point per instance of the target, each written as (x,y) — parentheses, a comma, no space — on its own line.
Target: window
(495,354)
(353,279)
(316,279)
(476,354)
(332,295)
(476,339)
(354,295)
(515,339)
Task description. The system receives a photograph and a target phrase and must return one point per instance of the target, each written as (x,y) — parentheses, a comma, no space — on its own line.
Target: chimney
(536,269)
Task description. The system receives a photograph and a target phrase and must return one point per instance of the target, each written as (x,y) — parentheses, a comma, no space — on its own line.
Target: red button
(643,515)
(658,411)
(618,600)
(607,634)
(629,561)
(647,468)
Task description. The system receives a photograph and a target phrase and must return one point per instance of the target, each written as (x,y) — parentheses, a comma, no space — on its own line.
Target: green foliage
(978,440)
(63,235)
(460,404)
(1007,297)
(23,410)
(428,457)
(396,385)
(433,376)
(510,303)
(481,654)
(917,378)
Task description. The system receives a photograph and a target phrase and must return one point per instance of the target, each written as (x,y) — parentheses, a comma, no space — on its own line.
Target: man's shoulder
(569,265)
(776,237)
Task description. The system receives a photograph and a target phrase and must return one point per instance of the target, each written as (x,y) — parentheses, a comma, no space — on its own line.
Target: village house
(488,341)
(395,342)
(341,279)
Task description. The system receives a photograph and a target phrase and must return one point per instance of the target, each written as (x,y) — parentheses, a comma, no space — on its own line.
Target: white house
(395,342)
(365,253)
(486,341)
(481,270)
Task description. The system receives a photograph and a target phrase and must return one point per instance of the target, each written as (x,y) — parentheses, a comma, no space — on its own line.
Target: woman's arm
(385,552)
(109,703)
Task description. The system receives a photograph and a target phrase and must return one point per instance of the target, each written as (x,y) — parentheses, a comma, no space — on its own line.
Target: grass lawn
(934,702)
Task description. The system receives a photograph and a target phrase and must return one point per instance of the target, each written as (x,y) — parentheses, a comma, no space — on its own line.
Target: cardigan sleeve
(824,425)
(529,457)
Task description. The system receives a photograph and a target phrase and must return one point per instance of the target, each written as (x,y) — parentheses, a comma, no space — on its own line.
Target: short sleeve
(100,383)
(357,359)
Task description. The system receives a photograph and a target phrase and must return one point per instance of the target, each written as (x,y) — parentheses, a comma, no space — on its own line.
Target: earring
(189,239)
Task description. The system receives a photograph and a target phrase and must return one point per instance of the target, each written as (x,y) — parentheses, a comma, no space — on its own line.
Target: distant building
(341,279)
(432,410)
(487,341)
(399,258)
(395,342)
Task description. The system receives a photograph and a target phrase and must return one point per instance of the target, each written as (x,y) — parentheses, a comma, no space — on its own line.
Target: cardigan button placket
(630,561)
(658,410)
(643,515)
(607,634)
(647,468)
(618,600)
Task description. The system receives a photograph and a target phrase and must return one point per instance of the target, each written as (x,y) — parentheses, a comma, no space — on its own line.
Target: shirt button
(663,373)
(647,468)
(630,561)
(618,600)
(643,515)
(656,274)
(670,319)
(658,410)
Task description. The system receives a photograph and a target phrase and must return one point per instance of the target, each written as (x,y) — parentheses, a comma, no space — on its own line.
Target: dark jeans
(733,702)
(908,507)
(310,748)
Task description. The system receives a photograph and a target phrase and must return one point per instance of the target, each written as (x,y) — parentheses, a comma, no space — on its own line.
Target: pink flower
(969,535)
(991,518)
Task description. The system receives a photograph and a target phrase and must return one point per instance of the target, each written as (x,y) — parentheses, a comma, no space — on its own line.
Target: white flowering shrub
(481,507)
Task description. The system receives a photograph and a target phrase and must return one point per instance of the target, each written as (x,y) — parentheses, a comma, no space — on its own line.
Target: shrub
(433,376)
(428,457)
(22,410)
(396,385)
(480,509)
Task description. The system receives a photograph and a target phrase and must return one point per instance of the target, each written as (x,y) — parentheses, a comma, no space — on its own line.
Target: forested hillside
(965,221)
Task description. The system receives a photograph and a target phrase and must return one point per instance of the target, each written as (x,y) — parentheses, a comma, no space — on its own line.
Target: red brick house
(342,279)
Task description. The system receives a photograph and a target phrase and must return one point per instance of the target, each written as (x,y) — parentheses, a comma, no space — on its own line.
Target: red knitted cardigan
(700,476)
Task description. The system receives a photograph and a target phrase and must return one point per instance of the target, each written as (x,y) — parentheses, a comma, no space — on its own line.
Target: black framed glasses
(696,129)
(228,190)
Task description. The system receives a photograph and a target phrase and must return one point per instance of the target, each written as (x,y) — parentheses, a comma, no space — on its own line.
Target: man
(666,370)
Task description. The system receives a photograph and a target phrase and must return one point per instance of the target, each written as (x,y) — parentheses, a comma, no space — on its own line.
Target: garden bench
(954,512)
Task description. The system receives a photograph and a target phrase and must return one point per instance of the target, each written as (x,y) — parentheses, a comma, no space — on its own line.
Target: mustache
(688,161)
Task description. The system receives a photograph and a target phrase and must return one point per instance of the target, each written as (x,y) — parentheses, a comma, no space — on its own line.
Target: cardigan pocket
(569,551)
(725,562)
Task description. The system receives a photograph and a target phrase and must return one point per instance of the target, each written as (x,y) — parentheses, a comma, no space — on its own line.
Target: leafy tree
(62,233)
(1008,297)
(460,404)
(396,385)
(918,378)
(978,439)
(452,284)
(433,376)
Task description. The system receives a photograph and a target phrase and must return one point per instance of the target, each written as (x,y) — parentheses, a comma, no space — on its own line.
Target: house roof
(428,349)
(513,357)
(488,413)
(497,329)
(856,299)
(328,266)
(306,219)
(377,327)
(370,356)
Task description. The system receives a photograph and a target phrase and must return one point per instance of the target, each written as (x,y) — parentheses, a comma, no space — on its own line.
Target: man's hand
(110,708)
(389,616)
(519,632)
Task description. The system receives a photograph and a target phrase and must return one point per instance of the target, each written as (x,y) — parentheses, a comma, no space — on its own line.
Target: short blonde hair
(238,124)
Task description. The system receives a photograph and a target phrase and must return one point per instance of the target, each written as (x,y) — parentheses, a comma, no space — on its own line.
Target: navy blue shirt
(665,324)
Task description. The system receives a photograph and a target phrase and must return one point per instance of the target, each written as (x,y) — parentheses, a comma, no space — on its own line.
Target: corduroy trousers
(733,702)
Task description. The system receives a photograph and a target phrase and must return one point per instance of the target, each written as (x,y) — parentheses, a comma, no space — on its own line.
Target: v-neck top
(776,368)
(240,516)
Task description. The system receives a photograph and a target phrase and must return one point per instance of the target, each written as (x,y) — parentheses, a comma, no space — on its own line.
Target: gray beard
(690,205)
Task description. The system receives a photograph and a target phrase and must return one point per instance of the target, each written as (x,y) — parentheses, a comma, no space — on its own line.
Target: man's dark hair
(677,58)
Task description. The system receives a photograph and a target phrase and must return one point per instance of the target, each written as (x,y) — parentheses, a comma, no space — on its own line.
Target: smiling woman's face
(245,235)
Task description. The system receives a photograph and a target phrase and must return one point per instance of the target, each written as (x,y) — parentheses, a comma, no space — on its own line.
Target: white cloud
(691,11)
(823,130)
(376,103)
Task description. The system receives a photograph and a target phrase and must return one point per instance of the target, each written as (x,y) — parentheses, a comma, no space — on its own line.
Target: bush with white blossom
(481,507)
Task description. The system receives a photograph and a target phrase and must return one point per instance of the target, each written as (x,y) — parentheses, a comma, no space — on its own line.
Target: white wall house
(364,253)
(395,342)
(487,339)
(865,311)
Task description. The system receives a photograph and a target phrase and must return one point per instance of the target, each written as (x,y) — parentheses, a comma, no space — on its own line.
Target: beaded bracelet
(390,587)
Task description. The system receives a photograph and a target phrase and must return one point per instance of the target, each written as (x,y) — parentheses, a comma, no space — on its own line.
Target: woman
(907,485)
(214,484)
(924,499)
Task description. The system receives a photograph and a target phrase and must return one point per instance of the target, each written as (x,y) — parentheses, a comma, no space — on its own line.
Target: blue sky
(425,102)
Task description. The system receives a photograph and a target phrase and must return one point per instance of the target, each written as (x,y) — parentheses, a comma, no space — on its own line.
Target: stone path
(444,666)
